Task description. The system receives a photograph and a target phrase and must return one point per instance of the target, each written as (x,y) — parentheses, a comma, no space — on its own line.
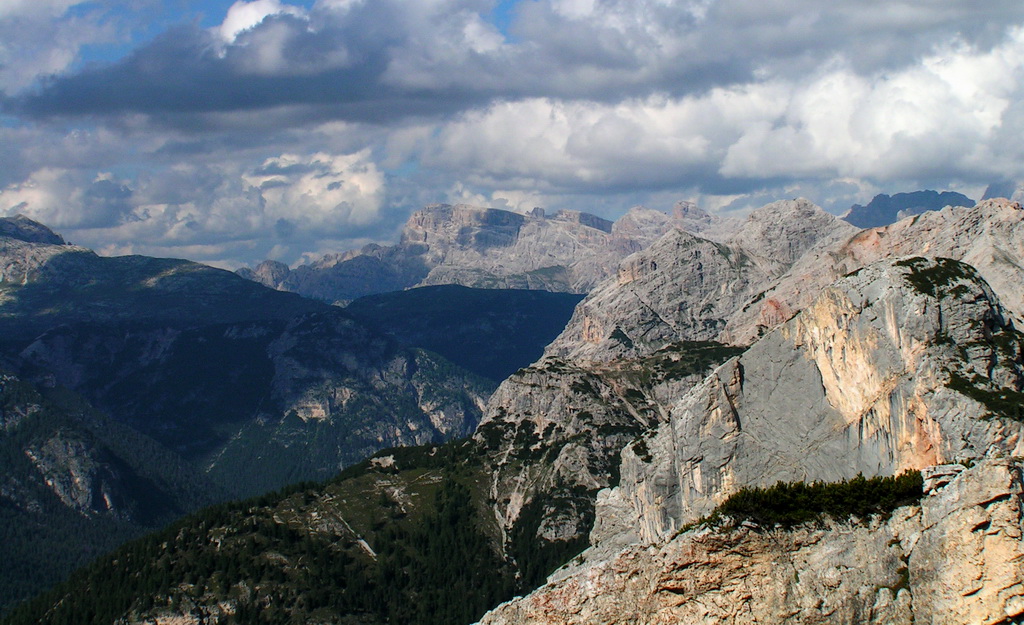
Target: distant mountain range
(192,385)
(883,209)
(472,246)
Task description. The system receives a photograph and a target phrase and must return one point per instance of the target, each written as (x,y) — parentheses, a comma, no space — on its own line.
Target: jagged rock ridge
(684,287)
(988,236)
(568,251)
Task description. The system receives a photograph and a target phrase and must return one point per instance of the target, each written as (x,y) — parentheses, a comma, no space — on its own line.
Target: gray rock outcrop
(905,364)
(553,432)
(684,287)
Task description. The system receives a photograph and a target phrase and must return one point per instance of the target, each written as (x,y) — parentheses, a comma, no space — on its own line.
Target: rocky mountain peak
(988,236)
(781,232)
(640,221)
(883,209)
(22,228)
(268,273)
(583,219)
(682,287)
(1009,189)
(685,286)
(462,224)
(685,209)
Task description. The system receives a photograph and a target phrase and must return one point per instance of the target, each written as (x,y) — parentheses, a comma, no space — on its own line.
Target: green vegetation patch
(929,276)
(788,504)
(676,361)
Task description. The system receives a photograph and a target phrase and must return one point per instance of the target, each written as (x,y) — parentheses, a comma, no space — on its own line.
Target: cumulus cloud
(242,16)
(64,199)
(949,113)
(288,200)
(319,190)
(278,128)
(347,59)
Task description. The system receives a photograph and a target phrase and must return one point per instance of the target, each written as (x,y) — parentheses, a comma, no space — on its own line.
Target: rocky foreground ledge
(956,558)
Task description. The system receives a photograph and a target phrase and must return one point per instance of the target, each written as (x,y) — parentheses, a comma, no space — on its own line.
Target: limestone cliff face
(778,234)
(567,251)
(902,365)
(989,236)
(680,288)
(684,287)
(553,433)
(956,558)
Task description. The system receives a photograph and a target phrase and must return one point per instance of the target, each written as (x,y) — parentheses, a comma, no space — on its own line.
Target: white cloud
(320,190)
(214,213)
(244,15)
(953,112)
(36,8)
(67,199)
(928,117)
(39,38)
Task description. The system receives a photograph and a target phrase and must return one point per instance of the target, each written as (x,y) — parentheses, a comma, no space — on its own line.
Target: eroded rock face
(264,403)
(954,559)
(681,288)
(80,476)
(898,366)
(685,287)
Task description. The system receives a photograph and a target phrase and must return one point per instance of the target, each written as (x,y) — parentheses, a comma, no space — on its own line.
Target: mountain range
(473,246)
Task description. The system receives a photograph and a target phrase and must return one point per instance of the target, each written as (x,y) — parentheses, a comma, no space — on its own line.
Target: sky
(230,132)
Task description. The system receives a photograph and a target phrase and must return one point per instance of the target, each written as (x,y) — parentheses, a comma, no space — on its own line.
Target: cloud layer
(282,129)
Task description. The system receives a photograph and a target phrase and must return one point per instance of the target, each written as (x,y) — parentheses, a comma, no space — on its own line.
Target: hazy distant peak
(268,273)
(782,231)
(1009,189)
(883,209)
